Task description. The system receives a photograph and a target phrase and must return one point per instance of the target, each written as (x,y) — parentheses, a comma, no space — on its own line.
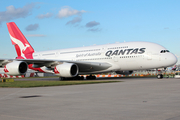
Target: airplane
(122,58)
(174,67)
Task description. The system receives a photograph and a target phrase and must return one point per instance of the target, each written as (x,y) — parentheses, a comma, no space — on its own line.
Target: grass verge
(27,84)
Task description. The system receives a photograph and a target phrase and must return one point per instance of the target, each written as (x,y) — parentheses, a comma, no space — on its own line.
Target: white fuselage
(121,56)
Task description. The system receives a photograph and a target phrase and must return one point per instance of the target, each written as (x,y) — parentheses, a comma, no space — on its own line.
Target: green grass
(27,84)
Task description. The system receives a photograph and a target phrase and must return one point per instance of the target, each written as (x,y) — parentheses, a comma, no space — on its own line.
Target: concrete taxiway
(133,99)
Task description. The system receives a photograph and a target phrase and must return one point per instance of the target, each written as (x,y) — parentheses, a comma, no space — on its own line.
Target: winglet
(22,46)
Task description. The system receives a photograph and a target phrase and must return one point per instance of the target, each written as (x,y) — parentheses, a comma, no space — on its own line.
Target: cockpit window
(164,51)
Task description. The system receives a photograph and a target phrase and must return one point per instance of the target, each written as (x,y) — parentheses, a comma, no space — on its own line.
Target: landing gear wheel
(90,77)
(82,78)
(78,78)
(159,76)
(94,77)
(71,78)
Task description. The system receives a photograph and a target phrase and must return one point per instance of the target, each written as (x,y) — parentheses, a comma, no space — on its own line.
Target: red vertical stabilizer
(23,48)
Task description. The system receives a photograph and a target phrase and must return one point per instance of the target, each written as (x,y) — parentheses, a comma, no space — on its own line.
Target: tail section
(23,48)
(174,68)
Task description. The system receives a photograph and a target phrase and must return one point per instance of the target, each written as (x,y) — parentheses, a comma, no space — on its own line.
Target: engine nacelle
(16,68)
(124,72)
(66,70)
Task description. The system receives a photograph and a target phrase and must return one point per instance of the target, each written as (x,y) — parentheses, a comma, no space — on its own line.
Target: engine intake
(66,70)
(16,68)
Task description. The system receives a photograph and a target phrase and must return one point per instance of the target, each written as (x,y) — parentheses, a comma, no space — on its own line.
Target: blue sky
(59,24)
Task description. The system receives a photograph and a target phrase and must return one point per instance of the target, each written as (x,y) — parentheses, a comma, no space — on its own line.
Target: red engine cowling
(66,70)
(124,72)
(16,68)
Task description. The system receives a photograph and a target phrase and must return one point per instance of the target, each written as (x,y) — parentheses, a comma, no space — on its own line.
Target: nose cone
(172,59)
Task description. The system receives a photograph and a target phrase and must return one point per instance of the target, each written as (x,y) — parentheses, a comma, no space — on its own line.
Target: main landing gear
(90,77)
(72,78)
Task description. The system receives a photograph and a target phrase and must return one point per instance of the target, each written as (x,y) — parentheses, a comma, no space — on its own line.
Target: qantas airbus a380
(121,58)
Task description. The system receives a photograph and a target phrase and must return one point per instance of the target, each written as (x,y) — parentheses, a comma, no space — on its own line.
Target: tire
(159,76)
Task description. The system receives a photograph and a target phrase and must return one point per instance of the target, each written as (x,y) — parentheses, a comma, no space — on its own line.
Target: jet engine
(66,70)
(16,68)
(124,72)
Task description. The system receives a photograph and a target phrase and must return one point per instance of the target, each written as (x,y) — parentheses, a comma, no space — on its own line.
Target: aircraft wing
(3,62)
(83,66)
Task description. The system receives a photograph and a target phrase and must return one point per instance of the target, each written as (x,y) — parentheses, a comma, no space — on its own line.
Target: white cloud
(94,30)
(12,13)
(92,24)
(47,15)
(35,35)
(75,20)
(67,11)
(32,27)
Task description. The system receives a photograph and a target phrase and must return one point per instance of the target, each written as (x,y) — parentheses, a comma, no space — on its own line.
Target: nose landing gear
(160,73)
(159,76)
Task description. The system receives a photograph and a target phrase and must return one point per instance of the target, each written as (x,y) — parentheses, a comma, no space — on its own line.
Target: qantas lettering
(125,51)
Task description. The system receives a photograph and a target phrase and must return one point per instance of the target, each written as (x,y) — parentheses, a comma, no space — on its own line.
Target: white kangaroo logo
(26,46)
(20,44)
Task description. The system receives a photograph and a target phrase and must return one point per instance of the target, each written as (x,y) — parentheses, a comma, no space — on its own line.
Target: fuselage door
(57,54)
(104,50)
(115,59)
(149,57)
